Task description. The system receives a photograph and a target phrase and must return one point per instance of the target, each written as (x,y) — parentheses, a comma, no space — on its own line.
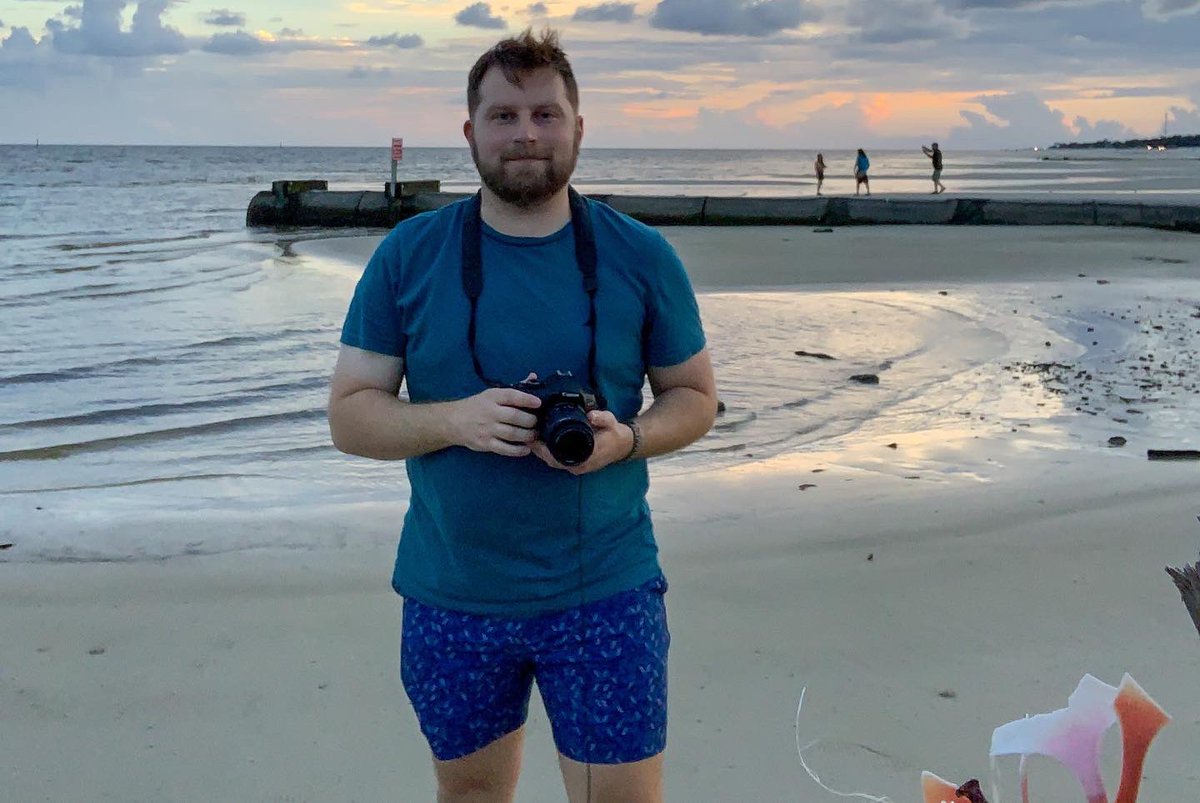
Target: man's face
(524,140)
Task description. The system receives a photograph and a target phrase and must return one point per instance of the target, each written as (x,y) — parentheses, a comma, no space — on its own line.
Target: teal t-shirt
(491,534)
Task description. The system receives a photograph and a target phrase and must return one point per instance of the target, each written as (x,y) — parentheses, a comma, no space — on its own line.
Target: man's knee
(633,782)
(488,775)
(475,788)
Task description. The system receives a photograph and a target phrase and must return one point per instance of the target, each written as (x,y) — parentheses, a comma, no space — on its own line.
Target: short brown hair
(521,54)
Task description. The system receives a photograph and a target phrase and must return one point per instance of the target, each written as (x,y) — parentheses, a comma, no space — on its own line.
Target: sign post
(397,157)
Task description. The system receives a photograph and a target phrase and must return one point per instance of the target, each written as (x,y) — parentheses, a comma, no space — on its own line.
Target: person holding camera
(935,156)
(524,322)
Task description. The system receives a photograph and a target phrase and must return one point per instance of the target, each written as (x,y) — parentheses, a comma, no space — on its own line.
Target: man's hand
(613,442)
(497,421)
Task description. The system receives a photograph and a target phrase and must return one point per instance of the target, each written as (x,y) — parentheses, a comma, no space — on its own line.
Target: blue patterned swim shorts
(601,670)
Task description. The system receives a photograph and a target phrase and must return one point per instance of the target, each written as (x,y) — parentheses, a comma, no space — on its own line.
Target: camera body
(562,422)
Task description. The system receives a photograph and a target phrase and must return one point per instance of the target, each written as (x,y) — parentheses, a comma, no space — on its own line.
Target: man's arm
(684,407)
(367,418)
(926,151)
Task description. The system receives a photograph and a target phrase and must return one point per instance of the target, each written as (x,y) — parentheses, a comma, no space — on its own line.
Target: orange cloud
(1141,114)
(888,113)
(877,110)
(658,111)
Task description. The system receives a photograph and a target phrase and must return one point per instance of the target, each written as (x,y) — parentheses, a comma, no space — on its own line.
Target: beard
(526,184)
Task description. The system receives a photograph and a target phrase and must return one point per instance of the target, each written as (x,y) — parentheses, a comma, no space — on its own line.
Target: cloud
(99,31)
(405,42)
(1014,5)
(242,44)
(291,33)
(360,73)
(605,12)
(1183,122)
(479,15)
(1136,92)
(1101,129)
(537,10)
(1165,9)
(740,17)
(26,64)
(225,17)
(19,42)
(903,21)
(1027,121)
(238,43)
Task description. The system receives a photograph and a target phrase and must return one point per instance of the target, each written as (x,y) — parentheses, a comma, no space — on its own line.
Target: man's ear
(579,127)
(469,131)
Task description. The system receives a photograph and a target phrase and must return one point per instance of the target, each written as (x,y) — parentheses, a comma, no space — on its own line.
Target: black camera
(562,422)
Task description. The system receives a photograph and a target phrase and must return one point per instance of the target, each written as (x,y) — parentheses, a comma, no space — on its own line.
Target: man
(935,155)
(514,567)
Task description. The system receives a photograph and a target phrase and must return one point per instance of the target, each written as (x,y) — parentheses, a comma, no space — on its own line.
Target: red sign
(397,149)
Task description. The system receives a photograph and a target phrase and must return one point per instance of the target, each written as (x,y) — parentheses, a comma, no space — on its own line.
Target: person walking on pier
(527,553)
(861,165)
(935,155)
(819,169)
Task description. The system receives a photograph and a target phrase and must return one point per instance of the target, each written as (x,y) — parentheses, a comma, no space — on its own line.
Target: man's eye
(502,116)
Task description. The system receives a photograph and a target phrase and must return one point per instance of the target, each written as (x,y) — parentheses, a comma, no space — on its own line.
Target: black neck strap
(472,271)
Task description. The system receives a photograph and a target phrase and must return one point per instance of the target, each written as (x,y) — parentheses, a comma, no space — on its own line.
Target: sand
(923,594)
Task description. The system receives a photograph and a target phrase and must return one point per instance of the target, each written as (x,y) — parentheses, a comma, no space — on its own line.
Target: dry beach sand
(948,567)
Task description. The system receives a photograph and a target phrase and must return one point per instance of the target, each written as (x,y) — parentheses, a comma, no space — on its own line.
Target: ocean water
(158,356)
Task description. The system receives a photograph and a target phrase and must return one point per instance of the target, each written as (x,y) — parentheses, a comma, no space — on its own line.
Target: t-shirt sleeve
(674,332)
(374,321)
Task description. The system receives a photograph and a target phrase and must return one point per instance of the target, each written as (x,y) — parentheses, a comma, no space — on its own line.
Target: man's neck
(540,220)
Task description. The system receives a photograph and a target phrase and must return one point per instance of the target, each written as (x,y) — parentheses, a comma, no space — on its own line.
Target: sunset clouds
(670,73)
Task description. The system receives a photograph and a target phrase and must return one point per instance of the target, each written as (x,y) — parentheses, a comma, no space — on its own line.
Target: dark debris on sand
(1162,371)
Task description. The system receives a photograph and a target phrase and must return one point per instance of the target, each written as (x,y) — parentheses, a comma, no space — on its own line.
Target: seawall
(311,203)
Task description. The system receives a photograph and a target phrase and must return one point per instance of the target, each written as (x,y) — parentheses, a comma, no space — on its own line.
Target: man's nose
(526,131)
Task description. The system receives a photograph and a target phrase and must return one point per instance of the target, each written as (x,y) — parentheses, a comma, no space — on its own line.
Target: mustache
(527,153)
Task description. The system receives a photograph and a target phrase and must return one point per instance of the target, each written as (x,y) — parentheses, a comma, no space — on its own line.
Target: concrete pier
(311,203)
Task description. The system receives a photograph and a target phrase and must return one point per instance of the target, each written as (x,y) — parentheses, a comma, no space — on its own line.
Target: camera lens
(567,434)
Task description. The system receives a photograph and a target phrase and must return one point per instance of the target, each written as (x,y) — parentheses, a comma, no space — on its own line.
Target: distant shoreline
(1178,141)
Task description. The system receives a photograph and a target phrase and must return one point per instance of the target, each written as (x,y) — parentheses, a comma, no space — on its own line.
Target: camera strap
(472,272)
(472,279)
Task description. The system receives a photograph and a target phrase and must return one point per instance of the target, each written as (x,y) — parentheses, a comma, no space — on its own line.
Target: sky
(975,74)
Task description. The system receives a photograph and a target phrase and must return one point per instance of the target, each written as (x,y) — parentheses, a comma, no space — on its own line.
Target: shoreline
(1046,359)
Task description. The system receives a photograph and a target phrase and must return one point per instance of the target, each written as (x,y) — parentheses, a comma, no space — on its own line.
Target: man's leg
(635,782)
(489,775)
(469,686)
(604,685)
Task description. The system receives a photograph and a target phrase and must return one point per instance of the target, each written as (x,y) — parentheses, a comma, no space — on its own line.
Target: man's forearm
(677,417)
(373,423)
